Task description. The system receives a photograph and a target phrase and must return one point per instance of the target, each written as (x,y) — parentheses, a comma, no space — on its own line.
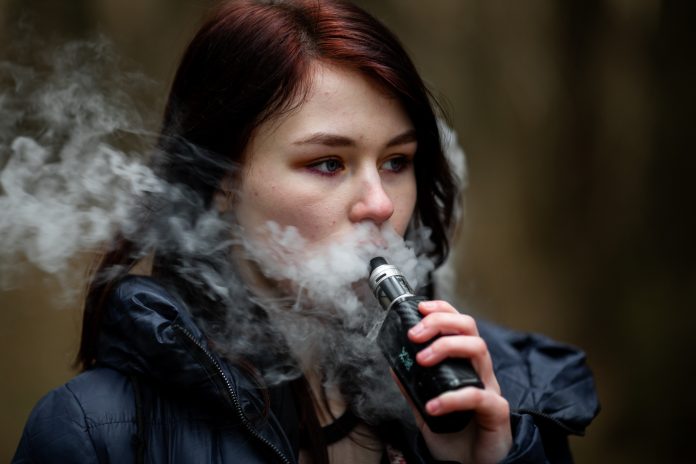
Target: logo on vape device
(405,359)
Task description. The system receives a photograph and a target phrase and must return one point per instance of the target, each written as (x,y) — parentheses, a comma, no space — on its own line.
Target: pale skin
(343,157)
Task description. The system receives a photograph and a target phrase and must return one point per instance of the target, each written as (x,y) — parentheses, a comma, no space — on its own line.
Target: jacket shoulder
(61,426)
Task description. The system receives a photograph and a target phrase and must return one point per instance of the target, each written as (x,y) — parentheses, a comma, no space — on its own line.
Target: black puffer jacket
(160,395)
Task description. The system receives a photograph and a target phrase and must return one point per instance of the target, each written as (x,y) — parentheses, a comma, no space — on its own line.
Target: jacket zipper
(233,395)
(545,416)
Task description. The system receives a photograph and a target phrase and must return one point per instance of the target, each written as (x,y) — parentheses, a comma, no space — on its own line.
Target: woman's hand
(488,437)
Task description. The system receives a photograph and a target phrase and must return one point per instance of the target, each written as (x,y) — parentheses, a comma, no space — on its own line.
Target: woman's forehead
(339,101)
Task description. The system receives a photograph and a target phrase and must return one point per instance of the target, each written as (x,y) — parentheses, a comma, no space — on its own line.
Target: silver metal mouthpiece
(388,283)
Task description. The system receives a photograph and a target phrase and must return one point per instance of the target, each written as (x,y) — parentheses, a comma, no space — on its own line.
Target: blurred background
(575,117)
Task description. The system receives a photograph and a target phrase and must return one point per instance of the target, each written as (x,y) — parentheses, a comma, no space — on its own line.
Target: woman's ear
(223,201)
(224,197)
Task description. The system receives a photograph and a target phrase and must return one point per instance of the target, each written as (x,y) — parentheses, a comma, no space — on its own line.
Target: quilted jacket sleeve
(533,445)
(550,389)
(56,432)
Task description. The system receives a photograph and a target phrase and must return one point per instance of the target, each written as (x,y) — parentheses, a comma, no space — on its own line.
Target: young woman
(295,131)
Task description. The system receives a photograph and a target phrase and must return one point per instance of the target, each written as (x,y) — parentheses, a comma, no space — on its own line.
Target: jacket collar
(147,332)
(144,332)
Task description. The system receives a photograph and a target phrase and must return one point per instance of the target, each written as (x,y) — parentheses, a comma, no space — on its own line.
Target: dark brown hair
(249,62)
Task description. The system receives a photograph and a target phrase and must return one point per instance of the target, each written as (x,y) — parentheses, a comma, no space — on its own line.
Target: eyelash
(316,166)
(404,161)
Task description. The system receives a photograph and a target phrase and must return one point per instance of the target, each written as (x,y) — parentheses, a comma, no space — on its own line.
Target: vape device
(421,383)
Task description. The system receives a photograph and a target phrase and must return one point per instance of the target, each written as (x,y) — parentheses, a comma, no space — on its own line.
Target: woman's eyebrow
(336,140)
(407,137)
(325,138)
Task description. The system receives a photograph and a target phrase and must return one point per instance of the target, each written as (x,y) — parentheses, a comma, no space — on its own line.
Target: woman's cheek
(308,211)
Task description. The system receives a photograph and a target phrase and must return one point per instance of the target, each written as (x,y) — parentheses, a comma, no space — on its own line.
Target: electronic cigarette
(421,383)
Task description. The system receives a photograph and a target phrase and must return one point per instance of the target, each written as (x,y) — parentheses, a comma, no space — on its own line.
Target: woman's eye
(396,164)
(327,166)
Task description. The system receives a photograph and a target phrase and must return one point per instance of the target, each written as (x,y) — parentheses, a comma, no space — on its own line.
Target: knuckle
(442,344)
(445,306)
(479,346)
(465,323)
(477,394)
(502,410)
(469,322)
(438,320)
(504,406)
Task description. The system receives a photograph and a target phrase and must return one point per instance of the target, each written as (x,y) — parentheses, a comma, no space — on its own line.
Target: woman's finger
(445,323)
(453,346)
(430,306)
(492,410)
(461,346)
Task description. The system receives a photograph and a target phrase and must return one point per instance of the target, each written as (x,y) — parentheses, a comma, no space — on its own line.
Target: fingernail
(433,406)
(416,329)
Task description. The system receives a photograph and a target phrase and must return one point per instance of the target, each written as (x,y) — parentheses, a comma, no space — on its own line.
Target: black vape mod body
(421,383)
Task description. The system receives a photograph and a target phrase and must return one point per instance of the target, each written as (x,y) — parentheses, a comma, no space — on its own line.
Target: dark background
(576,119)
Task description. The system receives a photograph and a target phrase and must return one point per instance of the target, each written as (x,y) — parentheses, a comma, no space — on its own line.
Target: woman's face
(344,157)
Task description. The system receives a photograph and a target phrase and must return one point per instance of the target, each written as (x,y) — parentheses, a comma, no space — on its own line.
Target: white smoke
(318,300)
(65,187)
(326,273)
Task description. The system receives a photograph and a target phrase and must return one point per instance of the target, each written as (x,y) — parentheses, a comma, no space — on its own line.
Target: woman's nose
(372,203)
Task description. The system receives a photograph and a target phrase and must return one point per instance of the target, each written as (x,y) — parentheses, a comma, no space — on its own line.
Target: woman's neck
(328,401)
(361,444)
